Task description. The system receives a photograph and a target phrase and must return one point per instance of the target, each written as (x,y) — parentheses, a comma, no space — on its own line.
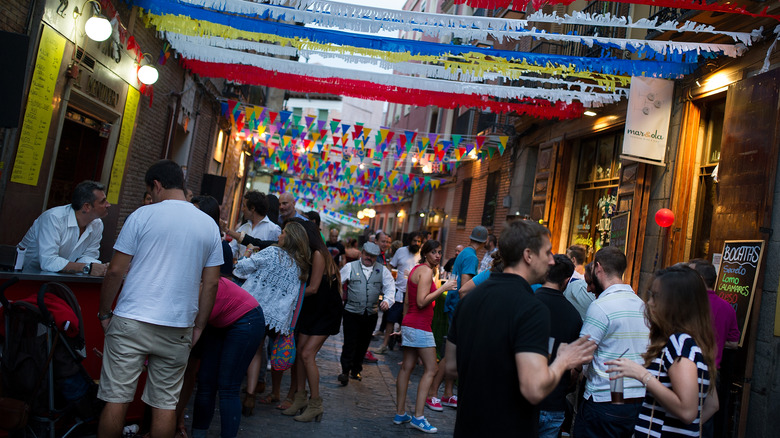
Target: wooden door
(746,181)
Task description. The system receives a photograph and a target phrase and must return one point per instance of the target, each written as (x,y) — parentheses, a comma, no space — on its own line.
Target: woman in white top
(274,277)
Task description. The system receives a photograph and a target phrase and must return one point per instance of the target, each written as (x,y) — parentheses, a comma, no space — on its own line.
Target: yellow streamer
(476,64)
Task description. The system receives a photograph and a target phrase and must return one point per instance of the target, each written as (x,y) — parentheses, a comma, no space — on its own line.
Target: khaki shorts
(128,344)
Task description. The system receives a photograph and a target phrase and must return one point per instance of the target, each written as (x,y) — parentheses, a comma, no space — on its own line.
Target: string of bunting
(521,5)
(188,20)
(314,13)
(450,71)
(345,154)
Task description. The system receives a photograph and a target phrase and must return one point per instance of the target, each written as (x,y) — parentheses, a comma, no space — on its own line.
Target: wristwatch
(106,316)
(87,269)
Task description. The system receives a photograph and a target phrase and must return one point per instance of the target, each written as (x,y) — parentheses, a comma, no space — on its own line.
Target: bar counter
(87,291)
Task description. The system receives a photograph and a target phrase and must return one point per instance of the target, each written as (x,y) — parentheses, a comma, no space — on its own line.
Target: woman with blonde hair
(274,277)
(680,360)
(320,317)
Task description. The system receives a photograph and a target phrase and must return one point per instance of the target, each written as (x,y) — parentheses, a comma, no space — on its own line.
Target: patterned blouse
(664,424)
(272,278)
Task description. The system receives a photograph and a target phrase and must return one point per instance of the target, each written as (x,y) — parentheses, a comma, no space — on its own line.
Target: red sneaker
(450,401)
(370,358)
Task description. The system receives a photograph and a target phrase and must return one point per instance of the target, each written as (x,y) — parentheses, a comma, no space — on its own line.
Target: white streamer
(430,71)
(227,56)
(370,20)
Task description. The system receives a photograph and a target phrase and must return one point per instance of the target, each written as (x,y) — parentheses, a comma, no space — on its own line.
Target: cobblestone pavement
(360,409)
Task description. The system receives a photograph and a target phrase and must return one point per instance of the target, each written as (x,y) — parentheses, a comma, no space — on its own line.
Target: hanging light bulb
(97,28)
(147,74)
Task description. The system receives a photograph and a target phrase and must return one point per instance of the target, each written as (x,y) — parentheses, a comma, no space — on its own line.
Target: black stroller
(41,359)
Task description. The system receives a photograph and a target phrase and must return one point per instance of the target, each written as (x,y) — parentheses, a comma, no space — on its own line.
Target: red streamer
(367,90)
(521,5)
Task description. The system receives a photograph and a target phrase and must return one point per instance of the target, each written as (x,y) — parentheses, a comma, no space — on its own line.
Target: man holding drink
(616,321)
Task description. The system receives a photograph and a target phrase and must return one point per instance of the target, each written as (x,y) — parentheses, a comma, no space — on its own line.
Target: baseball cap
(372,248)
(479,234)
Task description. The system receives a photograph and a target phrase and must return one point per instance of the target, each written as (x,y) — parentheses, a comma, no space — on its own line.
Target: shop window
(491,199)
(322,114)
(595,196)
(464,202)
(710,135)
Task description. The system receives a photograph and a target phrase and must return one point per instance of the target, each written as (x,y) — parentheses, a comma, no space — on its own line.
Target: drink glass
(616,388)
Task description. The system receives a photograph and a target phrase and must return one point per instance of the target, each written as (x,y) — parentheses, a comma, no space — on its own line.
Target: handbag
(283,346)
(13,414)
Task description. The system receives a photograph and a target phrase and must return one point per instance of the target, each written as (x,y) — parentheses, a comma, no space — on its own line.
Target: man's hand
(577,353)
(384,306)
(104,324)
(98,269)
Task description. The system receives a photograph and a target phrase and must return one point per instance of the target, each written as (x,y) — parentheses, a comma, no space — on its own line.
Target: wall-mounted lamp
(147,74)
(401,214)
(98,28)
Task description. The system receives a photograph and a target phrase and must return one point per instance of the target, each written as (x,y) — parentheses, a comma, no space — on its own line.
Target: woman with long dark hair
(320,317)
(274,277)
(417,335)
(680,360)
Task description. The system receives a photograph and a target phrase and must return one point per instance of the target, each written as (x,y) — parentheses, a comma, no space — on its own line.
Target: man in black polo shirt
(499,340)
(566,329)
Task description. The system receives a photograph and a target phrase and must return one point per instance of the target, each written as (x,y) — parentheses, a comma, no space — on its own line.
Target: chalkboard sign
(737,277)
(618,231)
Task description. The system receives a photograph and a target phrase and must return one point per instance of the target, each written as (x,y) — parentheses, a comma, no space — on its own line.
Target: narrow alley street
(361,409)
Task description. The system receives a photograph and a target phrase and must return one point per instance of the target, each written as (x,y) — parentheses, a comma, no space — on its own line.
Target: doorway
(81,154)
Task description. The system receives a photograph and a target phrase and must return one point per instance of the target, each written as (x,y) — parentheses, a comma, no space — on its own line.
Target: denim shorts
(412,337)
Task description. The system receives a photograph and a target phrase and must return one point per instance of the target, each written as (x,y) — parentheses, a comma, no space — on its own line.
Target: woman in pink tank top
(418,342)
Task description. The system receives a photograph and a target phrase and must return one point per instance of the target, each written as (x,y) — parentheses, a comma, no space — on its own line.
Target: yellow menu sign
(120,158)
(37,115)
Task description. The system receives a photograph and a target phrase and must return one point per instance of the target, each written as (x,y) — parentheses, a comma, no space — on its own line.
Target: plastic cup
(616,388)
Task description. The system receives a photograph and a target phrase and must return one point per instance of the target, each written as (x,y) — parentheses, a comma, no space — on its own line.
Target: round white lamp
(148,75)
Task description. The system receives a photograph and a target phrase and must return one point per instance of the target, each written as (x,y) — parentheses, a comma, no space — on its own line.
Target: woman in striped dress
(680,361)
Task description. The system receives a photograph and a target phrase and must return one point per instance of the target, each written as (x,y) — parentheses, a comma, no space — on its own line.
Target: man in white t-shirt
(403,261)
(176,253)
(257,225)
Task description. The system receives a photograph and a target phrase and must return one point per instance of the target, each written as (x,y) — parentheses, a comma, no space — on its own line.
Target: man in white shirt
(67,238)
(616,321)
(366,280)
(403,261)
(257,225)
(176,254)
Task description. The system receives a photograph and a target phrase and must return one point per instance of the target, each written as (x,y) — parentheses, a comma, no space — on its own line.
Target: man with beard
(498,342)
(616,321)
(403,261)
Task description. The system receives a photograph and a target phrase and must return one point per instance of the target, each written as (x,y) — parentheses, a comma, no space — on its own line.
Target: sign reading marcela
(647,119)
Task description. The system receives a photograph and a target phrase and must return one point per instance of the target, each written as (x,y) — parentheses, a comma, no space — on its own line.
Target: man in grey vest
(366,281)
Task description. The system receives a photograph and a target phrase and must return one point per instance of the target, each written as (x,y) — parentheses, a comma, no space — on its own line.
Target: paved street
(358,410)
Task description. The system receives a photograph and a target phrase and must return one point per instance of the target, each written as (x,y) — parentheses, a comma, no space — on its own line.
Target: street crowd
(539,344)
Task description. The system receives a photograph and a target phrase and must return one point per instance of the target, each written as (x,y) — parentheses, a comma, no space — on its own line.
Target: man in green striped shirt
(616,321)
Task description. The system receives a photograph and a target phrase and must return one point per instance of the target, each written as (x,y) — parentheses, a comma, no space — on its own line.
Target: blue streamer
(657,68)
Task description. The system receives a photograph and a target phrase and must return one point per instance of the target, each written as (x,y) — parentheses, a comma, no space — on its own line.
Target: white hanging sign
(647,120)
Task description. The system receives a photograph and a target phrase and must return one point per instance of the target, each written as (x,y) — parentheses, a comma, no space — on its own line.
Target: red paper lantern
(664,217)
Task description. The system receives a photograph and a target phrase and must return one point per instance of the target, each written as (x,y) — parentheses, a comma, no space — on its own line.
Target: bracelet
(646,379)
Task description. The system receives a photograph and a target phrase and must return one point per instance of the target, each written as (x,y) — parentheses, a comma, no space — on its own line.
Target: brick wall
(13,15)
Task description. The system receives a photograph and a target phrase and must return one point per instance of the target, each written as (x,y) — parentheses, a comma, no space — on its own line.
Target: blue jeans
(550,423)
(605,420)
(226,356)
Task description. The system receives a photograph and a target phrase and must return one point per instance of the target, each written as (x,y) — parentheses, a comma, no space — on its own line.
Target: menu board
(618,230)
(37,115)
(737,277)
(123,145)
